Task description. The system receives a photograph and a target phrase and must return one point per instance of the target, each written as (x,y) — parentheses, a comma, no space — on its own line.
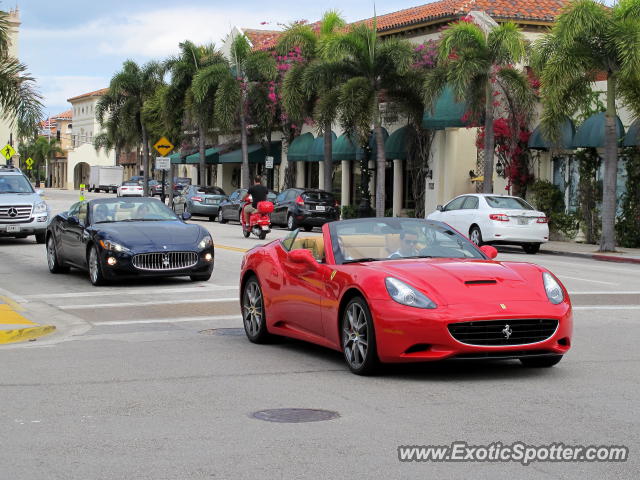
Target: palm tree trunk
(201,148)
(489,141)
(145,156)
(245,181)
(608,238)
(381,162)
(328,157)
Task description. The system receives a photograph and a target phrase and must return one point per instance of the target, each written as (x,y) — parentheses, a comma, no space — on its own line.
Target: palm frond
(260,66)
(356,106)
(461,37)
(506,44)
(228,103)
(298,35)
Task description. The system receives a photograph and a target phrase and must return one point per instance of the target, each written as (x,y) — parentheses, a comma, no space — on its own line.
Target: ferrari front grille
(163,261)
(496,333)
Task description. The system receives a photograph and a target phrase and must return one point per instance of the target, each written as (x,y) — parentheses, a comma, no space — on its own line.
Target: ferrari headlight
(206,242)
(407,295)
(553,289)
(40,207)
(113,246)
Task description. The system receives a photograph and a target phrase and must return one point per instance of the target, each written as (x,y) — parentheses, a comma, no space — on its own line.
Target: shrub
(628,223)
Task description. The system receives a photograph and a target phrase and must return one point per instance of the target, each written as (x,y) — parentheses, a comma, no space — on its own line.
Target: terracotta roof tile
(64,115)
(97,93)
(262,39)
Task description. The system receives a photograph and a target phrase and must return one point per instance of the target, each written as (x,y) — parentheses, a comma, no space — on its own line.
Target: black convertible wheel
(541,362)
(255,325)
(358,338)
(95,269)
(52,258)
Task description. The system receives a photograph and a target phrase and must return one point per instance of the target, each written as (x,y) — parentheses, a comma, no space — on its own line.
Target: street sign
(268,162)
(163,146)
(163,163)
(8,152)
(29,162)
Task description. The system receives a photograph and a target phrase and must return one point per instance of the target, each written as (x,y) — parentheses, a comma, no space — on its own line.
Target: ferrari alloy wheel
(541,362)
(95,269)
(475,236)
(52,258)
(253,317)
(358,338)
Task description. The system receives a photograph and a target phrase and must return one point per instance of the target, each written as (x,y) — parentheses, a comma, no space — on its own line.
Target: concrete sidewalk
(582,250)
(16,328)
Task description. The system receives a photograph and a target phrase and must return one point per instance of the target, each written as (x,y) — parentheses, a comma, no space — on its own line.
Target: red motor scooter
(259,222)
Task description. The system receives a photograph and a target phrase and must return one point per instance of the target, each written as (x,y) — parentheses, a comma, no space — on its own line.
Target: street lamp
(500,168)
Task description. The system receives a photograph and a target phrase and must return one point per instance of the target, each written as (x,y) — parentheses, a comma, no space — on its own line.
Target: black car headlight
(112,246)
(407,295)
(206,242)
(553,289)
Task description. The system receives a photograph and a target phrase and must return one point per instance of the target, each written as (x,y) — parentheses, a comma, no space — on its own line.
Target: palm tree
(312,88)
(248,67)
(590,38)
(182,98)
(477,65)
(20,102)
(129,89)
(43,150)
(377,68)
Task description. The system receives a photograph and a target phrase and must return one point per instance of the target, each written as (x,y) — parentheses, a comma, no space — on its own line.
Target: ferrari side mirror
(303,256)
(489,251)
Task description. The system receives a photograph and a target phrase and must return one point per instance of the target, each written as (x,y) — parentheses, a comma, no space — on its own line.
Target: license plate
(320,208)
(523,221)
(210,201)
(265,227)
(13,228)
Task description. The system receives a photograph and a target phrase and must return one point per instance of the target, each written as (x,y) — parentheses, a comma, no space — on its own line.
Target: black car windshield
(129,210)
(512,203)
(15,184)
(375,239)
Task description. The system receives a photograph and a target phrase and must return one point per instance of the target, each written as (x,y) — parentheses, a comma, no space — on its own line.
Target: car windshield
(131,183)
(15,184)
(128,210)
(211,190)
(318,196)
(512,203)
(376,239)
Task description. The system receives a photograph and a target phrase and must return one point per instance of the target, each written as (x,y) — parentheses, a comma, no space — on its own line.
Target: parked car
(306,208)
(230,207)
(119,238)
(496,220)
(198,200)
(23,212)
(130,189)
(137,178)
(400,290)
(152,187)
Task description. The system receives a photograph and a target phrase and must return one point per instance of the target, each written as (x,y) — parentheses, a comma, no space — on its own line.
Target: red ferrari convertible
(403,290)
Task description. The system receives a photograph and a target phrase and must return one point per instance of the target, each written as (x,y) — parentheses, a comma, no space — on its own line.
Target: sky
(74,47)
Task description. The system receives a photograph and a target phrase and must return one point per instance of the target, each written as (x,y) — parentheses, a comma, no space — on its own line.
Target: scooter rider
(258,193)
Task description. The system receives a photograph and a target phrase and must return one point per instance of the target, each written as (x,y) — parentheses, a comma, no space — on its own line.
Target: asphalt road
(135,384)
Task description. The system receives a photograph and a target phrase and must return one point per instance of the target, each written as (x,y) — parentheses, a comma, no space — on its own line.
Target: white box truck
(107,179)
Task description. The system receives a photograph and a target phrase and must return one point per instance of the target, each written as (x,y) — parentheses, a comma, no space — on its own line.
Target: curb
(24,334)
(591,256)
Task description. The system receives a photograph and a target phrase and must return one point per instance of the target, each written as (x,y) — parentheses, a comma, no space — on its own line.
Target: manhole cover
(295,415)
(223,331)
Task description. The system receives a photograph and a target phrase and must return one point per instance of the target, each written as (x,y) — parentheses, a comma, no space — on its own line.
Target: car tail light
(499,217)
(125,188)
(336,204)
(542,220)
(300,201)
(196,199)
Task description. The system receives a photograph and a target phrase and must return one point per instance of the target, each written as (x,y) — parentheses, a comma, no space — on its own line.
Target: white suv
(495,219)
(22,210)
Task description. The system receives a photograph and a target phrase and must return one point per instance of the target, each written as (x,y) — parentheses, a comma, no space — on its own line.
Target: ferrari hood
(449,282)
(152,236)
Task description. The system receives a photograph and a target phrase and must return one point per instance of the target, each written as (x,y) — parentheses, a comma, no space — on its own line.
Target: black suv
(303,207)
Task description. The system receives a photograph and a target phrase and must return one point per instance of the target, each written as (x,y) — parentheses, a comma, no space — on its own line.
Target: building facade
(8,132)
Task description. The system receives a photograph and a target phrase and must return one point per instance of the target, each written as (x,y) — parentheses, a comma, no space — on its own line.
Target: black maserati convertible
(128,237)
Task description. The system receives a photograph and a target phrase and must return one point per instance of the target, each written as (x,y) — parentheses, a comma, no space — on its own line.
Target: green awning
(632,138)
(446,112)
(299,148)
(316,152)
(591,132)
(396,146)
(211,156)
(257,154)
(176,159)
(344,148)
(537,140)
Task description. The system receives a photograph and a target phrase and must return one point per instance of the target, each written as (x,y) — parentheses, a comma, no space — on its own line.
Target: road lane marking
(10,302)
(142,304)
(170,320)
(233,249)
(9,317)
(605,293)
(607,307)
(586,280)
(150,290)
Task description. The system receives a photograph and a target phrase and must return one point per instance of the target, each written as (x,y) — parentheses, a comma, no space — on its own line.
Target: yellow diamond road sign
(163,146)
(29,162)
(8,152)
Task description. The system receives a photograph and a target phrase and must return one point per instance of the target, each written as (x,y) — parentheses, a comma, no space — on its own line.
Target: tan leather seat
(314,244)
